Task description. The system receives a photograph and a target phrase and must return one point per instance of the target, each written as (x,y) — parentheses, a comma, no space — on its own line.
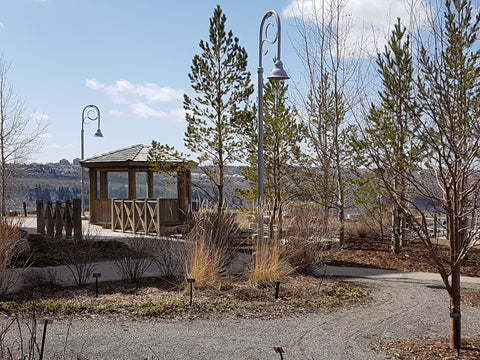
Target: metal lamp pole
(278,73)
(90,113)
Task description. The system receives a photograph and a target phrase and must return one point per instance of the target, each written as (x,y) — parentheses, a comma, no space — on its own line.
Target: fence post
(40,218)
(77,219)
(58,220)
(49,219)
(67,219)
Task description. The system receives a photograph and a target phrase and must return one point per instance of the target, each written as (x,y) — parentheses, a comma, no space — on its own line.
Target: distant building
(76,161)
(64,162)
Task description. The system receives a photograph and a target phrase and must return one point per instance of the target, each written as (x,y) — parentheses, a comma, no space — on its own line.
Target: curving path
(405,305)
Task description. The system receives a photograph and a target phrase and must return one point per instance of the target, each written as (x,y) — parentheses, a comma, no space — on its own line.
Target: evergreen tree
(222,85)
(390,124)
(281,146)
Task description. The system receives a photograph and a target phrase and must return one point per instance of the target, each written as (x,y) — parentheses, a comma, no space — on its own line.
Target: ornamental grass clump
(211,246)
(205,265)
(268,266)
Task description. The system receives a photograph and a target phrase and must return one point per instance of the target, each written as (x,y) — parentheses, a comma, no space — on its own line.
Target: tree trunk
(272,220)
(396,228)
(455,311)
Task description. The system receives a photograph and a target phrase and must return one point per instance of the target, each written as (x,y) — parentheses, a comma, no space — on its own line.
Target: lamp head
(278,73)
(98,133)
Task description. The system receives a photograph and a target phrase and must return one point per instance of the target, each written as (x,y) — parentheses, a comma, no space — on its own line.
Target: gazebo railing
(145,216)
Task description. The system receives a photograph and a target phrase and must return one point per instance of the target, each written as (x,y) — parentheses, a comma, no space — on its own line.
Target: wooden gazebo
(125,192)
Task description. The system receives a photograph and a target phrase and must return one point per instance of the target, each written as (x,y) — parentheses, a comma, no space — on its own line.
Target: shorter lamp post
(278,73)
(90,113)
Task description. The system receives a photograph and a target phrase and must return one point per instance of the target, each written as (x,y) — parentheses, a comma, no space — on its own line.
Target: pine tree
(390,123)
(281,152)
(222,85)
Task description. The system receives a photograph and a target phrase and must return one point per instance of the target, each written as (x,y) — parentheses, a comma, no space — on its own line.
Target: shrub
(9,238)
(134,266)
(310,234)
(78,255)
(170,257)
(41,278)
(268,267)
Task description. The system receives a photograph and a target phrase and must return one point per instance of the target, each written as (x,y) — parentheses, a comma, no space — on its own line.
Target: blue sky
(131,58)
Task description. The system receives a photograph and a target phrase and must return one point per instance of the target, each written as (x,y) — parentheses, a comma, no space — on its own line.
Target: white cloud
(116,113)
(39,117)
(123,91)
(145,111)
(177,115)
(1,25)
(46,135)
(370,20)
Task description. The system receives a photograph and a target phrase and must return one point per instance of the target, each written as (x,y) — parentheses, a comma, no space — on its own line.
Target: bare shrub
(15,343)
(210,247)
(310,233)
(364,230)
(41,278)
(18,337)
(134,266)
(78,255)
(9,238)
(268,266)
(170,257)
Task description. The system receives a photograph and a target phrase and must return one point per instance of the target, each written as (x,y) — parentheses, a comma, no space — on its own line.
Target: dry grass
(268,266)
(308,234)
(205,265)
(210,246)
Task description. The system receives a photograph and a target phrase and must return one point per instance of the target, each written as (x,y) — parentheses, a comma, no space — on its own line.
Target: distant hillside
(62,181)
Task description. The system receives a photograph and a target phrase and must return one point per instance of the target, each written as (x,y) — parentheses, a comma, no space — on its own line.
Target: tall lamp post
(90,114)
(278,73)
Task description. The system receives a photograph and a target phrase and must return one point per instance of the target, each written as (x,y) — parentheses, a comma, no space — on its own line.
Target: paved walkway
(109,272)
(404,305)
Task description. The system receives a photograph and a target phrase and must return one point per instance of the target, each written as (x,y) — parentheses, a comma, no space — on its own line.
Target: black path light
(277,289)
(191,281)
(96,276)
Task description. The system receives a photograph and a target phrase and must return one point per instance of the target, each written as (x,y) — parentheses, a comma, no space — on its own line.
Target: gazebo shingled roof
(137,154)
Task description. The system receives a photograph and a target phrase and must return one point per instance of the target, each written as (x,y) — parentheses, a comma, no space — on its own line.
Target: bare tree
(333,75)
(444,137)
(20,135)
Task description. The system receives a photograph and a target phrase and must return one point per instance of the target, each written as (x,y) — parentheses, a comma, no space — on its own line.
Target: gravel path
(400,309)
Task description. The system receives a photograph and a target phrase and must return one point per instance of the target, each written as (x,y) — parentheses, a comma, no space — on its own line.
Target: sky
(131,58)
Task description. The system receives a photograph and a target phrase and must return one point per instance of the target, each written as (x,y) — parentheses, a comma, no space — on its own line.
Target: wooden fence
(144,215)
(59,219)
